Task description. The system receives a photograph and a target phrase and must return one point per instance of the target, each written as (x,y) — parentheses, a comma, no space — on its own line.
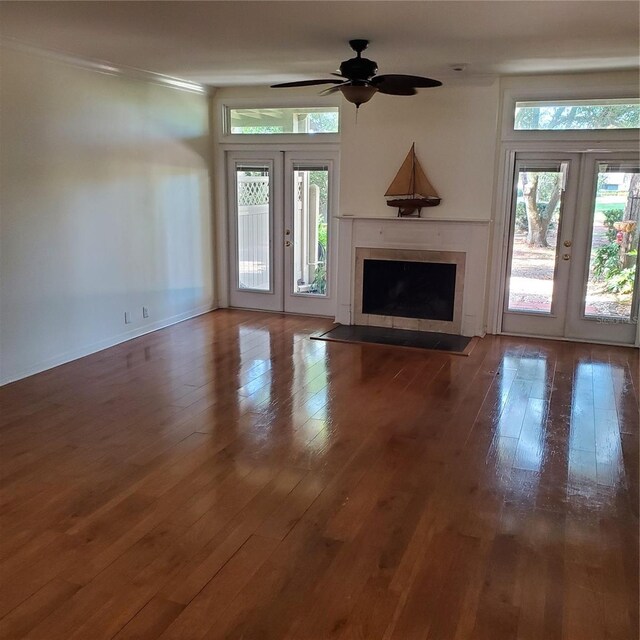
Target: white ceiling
(249,43)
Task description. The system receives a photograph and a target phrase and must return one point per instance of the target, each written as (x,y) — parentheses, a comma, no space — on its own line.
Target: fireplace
(409,289)
(460,241)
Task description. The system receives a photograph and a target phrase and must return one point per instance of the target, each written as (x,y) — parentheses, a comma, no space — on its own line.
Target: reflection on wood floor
(230,478)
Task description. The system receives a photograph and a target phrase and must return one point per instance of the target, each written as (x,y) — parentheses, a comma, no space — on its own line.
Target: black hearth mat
(458,345)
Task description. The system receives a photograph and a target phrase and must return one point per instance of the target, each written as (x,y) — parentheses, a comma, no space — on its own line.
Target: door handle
(567,243)
(287,243)
(566,256)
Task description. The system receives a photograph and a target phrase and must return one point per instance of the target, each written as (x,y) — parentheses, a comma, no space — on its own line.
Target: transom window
(283,120)
(577,115)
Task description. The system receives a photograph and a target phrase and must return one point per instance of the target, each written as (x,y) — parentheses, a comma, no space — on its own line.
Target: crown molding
(108,68)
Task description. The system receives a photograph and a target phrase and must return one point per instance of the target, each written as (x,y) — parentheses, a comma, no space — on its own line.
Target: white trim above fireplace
(426,234)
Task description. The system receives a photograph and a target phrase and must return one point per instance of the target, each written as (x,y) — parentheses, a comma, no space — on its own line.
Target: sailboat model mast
(411,189)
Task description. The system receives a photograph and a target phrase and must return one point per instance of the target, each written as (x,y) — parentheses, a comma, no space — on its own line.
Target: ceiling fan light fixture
(358,93)
(359,82)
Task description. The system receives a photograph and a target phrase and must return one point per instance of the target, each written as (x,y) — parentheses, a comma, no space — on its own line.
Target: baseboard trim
(564,339)
(76,354)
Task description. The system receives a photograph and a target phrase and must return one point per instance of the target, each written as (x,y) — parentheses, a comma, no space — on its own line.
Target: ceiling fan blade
(305,83)
(395,90)
(398,80)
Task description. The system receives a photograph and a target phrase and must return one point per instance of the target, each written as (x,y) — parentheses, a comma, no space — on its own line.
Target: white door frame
(270,300)
(300,302)
(281,159)
(578,326)
(550,324)
(502,205)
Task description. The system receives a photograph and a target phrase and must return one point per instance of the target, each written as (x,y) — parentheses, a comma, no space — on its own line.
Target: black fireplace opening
(407,289)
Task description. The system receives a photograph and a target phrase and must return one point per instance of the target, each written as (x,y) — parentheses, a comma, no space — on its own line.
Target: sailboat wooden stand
(411,189)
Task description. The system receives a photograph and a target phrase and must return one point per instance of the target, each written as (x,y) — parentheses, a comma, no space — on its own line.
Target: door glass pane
(310,229)
(535,222)
(614,242)
(253,189)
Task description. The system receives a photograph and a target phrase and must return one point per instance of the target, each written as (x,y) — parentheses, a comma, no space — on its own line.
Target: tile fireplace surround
(412,255)
(447,238)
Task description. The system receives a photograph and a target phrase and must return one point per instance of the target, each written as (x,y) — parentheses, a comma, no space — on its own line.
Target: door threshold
(632,345)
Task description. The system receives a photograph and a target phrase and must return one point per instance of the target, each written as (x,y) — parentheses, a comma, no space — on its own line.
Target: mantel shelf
(408,219)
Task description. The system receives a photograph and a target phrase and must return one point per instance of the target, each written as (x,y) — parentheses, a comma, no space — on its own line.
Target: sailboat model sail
(411,189)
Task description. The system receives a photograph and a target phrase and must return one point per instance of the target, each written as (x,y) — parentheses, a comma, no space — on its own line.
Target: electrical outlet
(145,312)
(127,317)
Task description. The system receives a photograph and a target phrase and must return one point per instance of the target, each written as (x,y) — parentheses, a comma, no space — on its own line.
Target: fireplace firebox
(409,289)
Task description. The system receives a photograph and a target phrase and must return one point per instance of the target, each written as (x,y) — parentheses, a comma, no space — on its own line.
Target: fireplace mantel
(416,219)
(470,236)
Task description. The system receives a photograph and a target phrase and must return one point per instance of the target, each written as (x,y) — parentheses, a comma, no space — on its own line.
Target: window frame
(224,121)
(511,96)
(574,102)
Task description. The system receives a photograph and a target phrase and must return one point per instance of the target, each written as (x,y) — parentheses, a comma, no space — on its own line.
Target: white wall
(454,128)
(104,208)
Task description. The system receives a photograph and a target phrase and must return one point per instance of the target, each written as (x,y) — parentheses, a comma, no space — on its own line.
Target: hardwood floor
(230,478)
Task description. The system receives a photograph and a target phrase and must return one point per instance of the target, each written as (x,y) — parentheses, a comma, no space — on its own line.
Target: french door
(572,267)
(281,240)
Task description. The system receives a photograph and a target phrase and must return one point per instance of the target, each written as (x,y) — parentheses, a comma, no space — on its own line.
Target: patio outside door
(573,247)
(281,231)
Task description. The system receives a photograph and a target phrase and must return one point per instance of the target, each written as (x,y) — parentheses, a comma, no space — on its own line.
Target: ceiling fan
(359,82)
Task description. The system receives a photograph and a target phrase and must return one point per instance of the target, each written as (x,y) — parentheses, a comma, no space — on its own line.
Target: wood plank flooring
(229,478)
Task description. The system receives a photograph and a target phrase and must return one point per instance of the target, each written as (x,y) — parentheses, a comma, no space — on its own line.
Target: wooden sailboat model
(411,189)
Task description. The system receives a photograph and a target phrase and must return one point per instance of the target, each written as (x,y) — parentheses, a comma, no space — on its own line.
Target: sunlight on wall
(105,209)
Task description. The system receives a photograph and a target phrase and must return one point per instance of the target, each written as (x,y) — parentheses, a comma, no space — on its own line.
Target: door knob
(566,256)
(567,243)
(287,232)
(287,243)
